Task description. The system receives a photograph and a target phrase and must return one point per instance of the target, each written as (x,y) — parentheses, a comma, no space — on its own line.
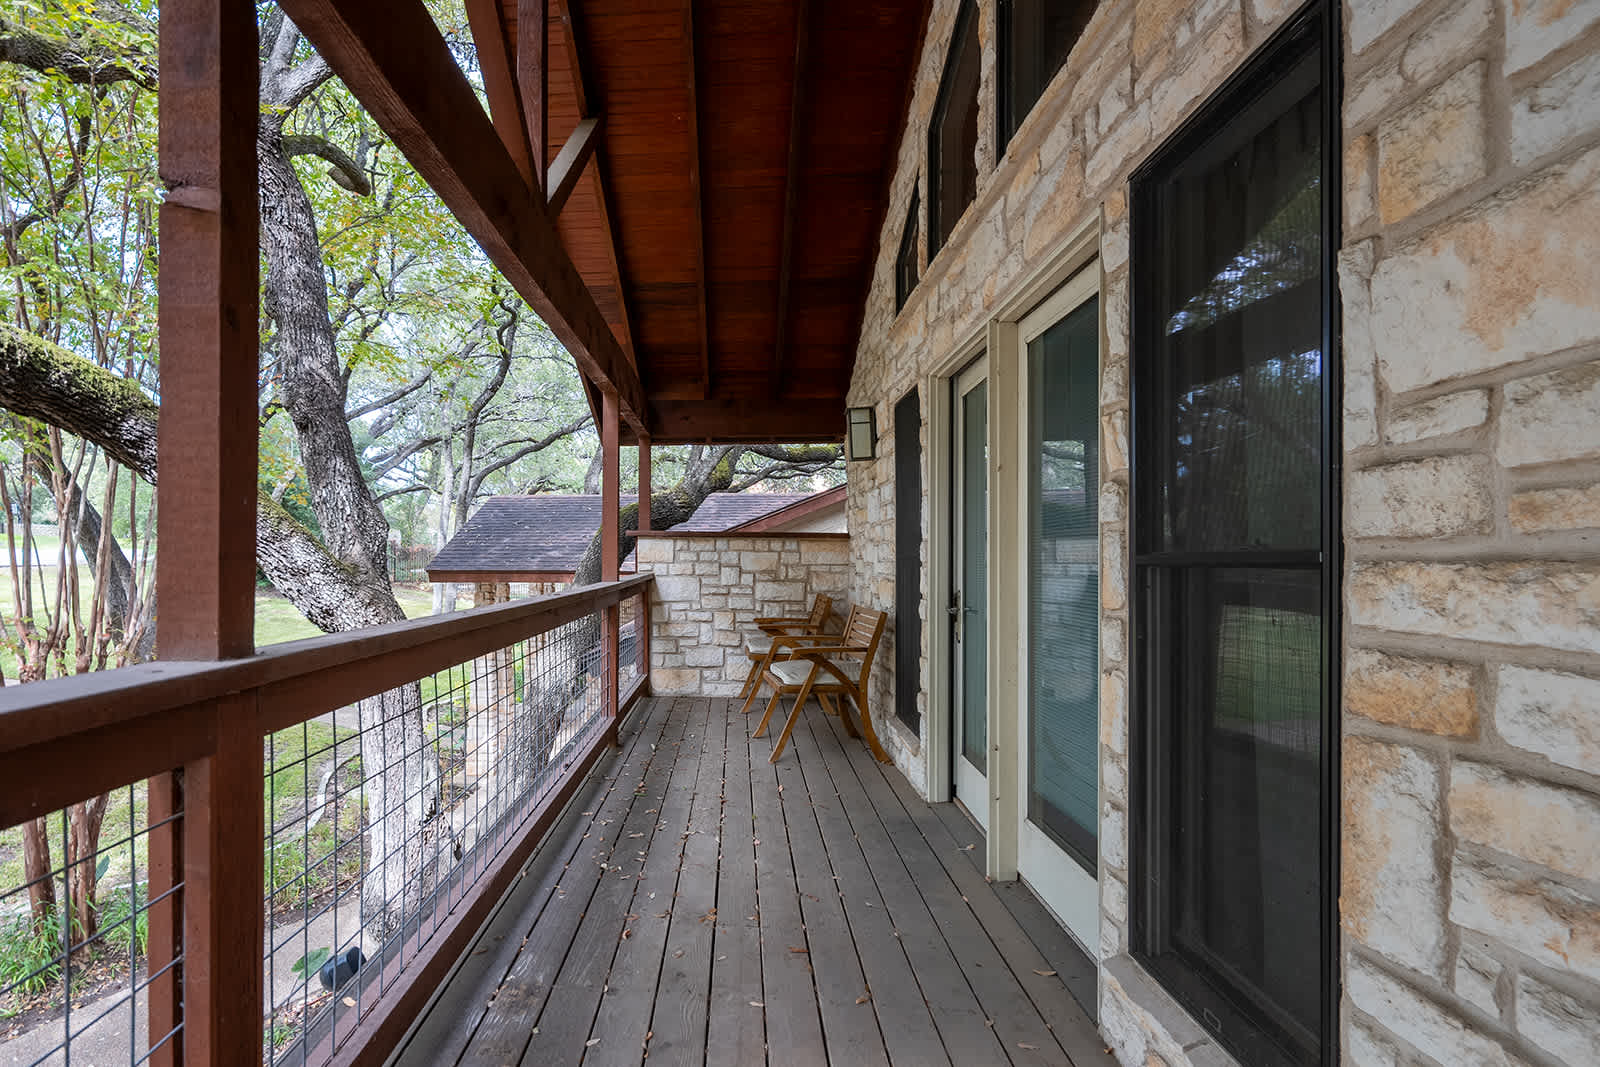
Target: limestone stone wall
(1470,276)
(707,590)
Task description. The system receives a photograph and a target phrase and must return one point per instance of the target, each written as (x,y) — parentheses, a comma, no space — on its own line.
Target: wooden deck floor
(700,905)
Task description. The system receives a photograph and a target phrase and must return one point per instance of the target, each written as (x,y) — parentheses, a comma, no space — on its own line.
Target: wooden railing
(196,731)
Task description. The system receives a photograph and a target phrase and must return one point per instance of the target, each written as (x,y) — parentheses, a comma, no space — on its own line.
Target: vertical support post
(644,482)
(533,78)
(610,499)
(206,448)
(223,925)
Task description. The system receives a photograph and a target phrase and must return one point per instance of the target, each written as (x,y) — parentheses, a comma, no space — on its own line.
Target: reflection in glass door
(969,629)
(1057,851)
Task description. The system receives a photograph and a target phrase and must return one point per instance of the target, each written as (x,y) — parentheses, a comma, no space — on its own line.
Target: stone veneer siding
(1471,287)
(708,589)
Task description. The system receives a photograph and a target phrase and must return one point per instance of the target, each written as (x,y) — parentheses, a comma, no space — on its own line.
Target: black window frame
(1235,1025)
(1005,128)
(908,558)
(907,261)
(939,228)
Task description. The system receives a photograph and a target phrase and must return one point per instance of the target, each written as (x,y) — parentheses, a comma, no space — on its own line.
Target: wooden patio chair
(777,632)
(841,670)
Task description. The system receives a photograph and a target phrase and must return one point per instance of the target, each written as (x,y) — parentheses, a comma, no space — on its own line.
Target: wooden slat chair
(779,632)
(841,670)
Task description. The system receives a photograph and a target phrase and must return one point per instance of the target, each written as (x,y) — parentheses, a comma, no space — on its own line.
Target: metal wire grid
(630,643)
(77,996)
(381,817)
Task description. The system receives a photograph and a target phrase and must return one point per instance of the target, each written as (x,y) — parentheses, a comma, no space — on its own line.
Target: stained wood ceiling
(727,221)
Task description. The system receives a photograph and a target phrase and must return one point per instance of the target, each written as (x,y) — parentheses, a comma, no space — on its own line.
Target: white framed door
(968,607)
(1057,771)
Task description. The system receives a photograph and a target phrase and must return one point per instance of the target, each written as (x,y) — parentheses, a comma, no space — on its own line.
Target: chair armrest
(792,640)
(775,628)
(825,652)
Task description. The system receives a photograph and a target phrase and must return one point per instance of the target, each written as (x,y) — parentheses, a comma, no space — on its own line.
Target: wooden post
(208,323)
(223,925)
(610,498)
(644,482)
(533,79)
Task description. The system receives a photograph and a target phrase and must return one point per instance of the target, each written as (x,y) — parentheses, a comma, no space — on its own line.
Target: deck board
(814,911)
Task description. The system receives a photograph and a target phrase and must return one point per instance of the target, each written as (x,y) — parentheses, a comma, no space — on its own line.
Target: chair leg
(752,682)
(761,727)
(794,716)
(860,700)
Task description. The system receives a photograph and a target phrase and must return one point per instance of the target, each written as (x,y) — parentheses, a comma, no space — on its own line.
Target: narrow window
(905,263)
(953,132)
(1035,38)
(908,559)
(1235,559)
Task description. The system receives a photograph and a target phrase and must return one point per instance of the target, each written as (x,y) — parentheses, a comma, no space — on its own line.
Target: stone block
(1562,1025)
(1551,417)
(1433,147)
(1113,640)
(1359,190)
(1522,817)
(1422,1022)
(758,562)
(1113,837)
(1113,571)
(1111,154)
(730,577)
(1554,925)
(1439,417)
(654,550)
(1392,894)
(1477,978)
(1360,359)
(1155,22)
(1114,712)
(1114,898)
(1427,695)
(1114,442)
(677,681)
(1441,496)
(1539,510)
(1113,780)
(1204,64)
(1560,109)
(703,656)
(813,552)
(1441,43)
(1372,19)
(1535,28)
(677,588)
(1367,1048)
(1534,603)
(1496,284)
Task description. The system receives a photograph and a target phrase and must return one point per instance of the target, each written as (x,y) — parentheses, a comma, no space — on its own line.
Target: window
(1236,559)
(1035,37)
(908,559)
(953,132)
(905,263)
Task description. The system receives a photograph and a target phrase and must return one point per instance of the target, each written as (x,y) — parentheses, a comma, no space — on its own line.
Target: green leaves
(310,963)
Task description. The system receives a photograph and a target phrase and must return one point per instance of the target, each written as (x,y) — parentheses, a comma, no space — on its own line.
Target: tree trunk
(400,770)
(83,844)
(36,870)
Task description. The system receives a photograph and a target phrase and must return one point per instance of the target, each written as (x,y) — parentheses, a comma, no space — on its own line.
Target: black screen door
(1234,552)
(908,559)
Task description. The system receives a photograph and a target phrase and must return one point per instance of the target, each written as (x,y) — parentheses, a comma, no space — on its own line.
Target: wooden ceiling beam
(568,165)
(791,192)
(533,79)
(735,419)
(495,61)
(572,25)
(697,190)
(391,56)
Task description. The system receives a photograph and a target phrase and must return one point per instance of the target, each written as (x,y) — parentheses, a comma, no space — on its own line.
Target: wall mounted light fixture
(861,433)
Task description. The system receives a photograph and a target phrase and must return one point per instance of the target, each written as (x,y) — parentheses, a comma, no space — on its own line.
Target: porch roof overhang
(690,192)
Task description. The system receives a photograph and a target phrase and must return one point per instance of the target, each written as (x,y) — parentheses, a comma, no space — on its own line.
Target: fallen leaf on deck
(1024,1044)
(593,1041)
(349,1002)
(863,998)
(797,948)
(758,1003)
(967,848)
(1045,974)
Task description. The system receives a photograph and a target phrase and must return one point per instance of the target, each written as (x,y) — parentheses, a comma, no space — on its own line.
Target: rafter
(500,81)
(393,59)
(533,78)
(572,26)
(697,190)
(791,192)
(568,165)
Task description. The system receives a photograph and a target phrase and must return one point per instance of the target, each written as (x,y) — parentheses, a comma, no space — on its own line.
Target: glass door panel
(969,624)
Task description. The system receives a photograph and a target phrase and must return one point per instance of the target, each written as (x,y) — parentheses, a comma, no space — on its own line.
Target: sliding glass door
(1235,560)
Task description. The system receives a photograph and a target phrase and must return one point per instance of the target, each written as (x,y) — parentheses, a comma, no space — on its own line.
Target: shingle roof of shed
(548,533)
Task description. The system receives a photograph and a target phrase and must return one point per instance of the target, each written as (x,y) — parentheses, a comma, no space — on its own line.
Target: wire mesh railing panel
(76,905)
(631,643)
(383,816)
